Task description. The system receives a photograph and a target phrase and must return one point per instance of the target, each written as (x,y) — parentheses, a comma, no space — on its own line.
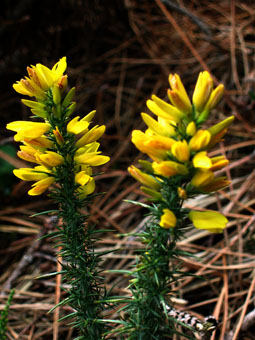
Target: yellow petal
(41,186)
(168,219)
(202,178)
(162,109)
(179,93)
(59,68)
(75,126)
(191,129)
(87,189)
(200,140)
(217,184)
(50,158)
(219,163)
(28,174)
(82,178)
(169,168)
(215,97)
(178,101)
(91,136)
(202,90)
(28,130)
(158,127)
(201,160)
(210,220)
(180,151)
(92,159)
(144,178)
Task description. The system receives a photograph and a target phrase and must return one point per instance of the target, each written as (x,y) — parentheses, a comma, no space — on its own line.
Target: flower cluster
(178,147)
(57,143)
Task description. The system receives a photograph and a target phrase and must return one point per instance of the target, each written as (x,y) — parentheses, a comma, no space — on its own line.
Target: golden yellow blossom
(203,89)
(215,97)
(218,163)
(144,178)
(161,127)
(41,79)
(32,174)
(201,160)
(91,136)
(168,219)
(178,95)
(169,168)
(191,129)
(41,186)
(209,220)
(200,140)
(49,158)
(216,184)
(27,130)
(162,109)
(82,178)
(182,193)
(180,151)
(77,126)
(202,178)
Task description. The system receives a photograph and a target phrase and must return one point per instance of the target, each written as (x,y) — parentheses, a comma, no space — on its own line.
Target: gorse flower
(58,141)
(40,79)
(63,151)
(179,148)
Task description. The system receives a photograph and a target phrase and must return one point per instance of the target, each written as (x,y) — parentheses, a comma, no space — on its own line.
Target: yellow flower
(202,90)
(164,110)
(215,97)
(210,220)
(87,189)
(144,178)
(27,130)
(82,178)
(75,126)
(178,95)
(169,168)
(41,186)
(216,184)
(41,79)
(154,146)
(49,158)
(161,127)
(191,129)
(28,153)
(40,143)
(180,151)
(202,178)
(59,138)
(201,160)
(168,219)
(90,158)
(200,140)
(29,174)
(182,193)
(91,136)
(219,163)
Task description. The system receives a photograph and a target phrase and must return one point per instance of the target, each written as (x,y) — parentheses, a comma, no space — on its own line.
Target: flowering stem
(65,150)
(180,169)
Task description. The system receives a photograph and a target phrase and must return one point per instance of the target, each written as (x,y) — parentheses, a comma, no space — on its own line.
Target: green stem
(81,264)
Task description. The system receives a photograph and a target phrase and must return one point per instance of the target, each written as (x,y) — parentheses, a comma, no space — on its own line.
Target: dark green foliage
(4,316)
(75,239)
